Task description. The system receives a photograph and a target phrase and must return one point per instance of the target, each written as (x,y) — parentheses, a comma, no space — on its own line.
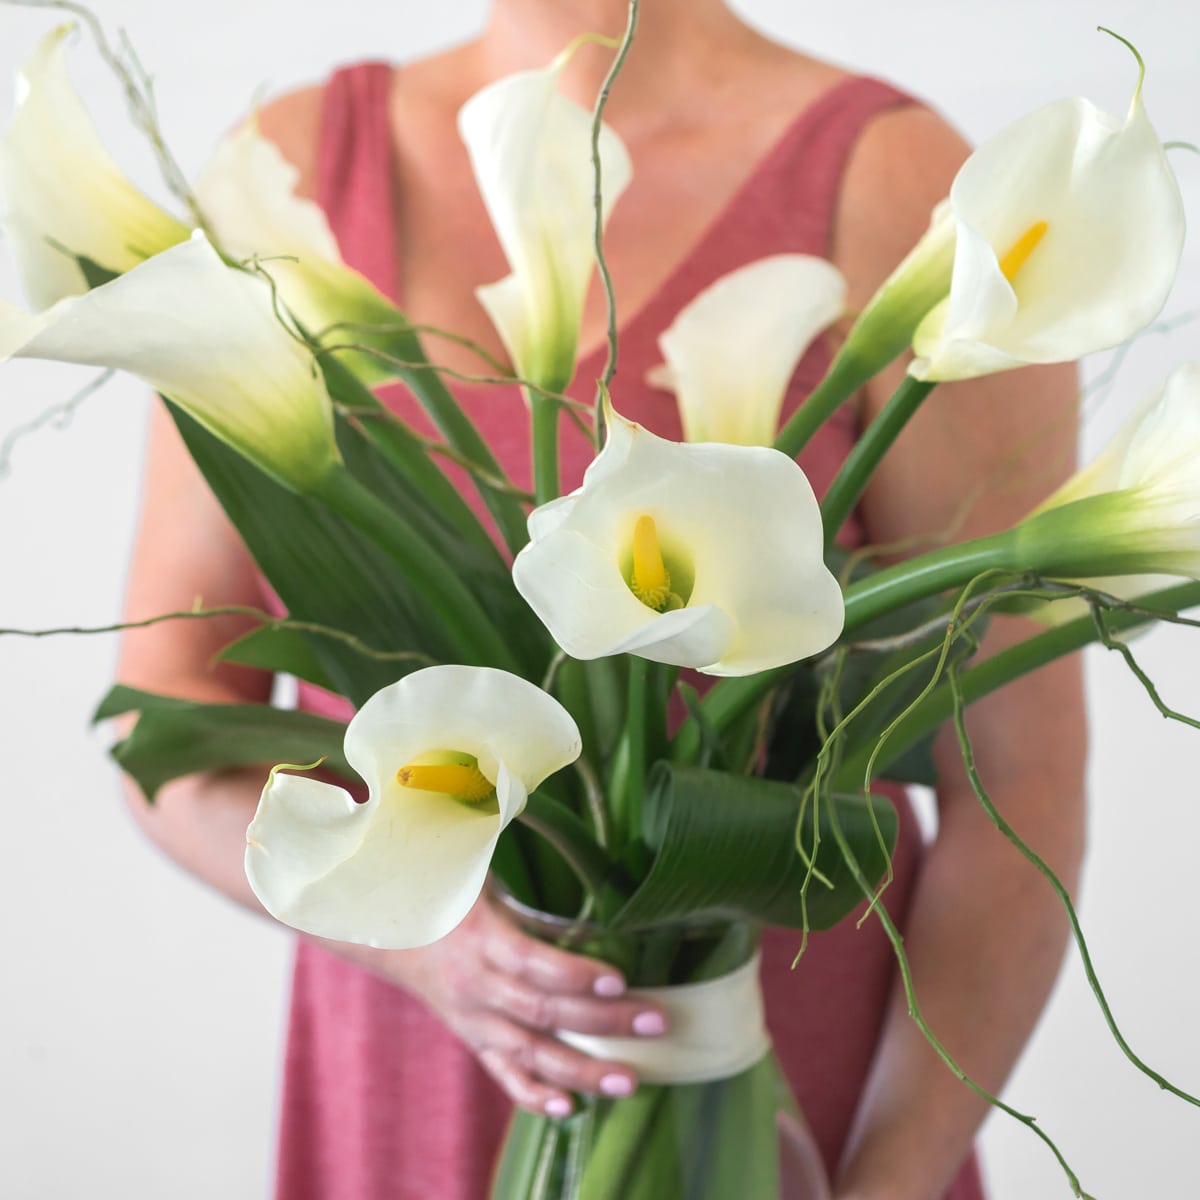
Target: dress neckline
(671,291)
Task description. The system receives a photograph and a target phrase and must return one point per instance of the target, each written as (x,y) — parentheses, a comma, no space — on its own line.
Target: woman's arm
(984,932)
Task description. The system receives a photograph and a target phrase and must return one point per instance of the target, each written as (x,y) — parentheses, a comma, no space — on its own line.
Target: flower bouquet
(650,712)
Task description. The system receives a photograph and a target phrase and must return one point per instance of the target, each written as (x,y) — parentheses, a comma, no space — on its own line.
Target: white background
(140,1018)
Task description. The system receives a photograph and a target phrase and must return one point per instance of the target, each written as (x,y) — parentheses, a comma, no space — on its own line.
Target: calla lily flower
(698,555)
(61,194)
(731,352)
(1069,228)
(247,193)
(208,338)
(1136,508)
(530,148)
(450,755)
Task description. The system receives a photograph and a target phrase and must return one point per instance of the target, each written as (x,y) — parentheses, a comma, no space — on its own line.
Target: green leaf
(175,737)
(724,850)
(444,410)
(94,275)
(322,568)
(280,649)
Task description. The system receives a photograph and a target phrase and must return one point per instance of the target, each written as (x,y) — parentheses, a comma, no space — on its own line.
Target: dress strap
(787,204)
(812,160)
(355,180)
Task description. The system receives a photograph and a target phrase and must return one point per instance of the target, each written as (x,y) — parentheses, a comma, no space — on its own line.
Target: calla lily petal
(740,531)
(1135,511)
(247,193)
(209,339)
(404,868)
(731,352)
(61,194)
(1069,231)
(530,148)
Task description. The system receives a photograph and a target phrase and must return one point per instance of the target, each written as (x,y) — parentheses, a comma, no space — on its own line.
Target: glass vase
(740,1137)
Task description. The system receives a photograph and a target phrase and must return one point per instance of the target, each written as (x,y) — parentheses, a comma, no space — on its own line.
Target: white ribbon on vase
(715,1030)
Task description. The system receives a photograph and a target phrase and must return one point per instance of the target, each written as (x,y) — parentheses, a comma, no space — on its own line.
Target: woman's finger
(522,1089)
(545,1060)
(515,953)
(549,1010)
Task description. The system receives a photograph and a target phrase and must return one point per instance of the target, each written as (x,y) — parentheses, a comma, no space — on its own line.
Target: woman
(741,148)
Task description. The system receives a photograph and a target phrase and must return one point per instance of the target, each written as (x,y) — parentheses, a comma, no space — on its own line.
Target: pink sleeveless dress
(380,1102)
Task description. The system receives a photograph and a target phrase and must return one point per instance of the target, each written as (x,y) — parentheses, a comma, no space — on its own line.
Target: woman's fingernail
(609,985)
(616,1085)
(558,1106)
(649,1024)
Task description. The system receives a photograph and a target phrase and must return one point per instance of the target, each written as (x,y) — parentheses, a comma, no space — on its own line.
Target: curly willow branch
(58,416)
(269,621)
(610,364)
(1105,638)
(997,819)
(914,1011)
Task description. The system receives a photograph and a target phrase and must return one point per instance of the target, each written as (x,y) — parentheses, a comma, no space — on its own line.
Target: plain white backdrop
(140,1018)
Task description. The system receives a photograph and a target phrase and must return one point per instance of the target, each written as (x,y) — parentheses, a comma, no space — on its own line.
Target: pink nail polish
(558,1106)
(649,1024)
(616,1085)
(609,985)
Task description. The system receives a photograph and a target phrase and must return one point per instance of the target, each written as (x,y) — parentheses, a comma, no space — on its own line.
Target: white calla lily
(61,194)
(1135,510)
(732,351)
(530,148)
(694,554)
(247,193)
(449,755)
(1069,228)
(208,338)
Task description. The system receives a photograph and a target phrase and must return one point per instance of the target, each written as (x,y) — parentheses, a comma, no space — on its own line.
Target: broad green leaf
(439,402)
(175,737)
(279,649)
(724,850)
(320,567)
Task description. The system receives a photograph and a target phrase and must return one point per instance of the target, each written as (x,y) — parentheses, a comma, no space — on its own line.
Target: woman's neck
(678,44)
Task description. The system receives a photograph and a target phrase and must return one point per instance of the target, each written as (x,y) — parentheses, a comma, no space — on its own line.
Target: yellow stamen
(1021,249)
(649,580)
(463,781)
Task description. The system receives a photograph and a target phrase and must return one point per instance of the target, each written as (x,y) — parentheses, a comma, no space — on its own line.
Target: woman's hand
(505,993)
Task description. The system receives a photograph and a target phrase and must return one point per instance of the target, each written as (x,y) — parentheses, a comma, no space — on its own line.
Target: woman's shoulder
(293,119)
(898,171)
(899,163)
(293,122)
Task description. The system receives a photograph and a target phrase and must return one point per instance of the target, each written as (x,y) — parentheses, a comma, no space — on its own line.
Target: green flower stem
(466,620)
(1011,664)
(916,578)
(724,703)
(637,716)
(872,597)
(624,1130)
(847,373)
(570,837)
(1002,668)
(545,448)
(850,482)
